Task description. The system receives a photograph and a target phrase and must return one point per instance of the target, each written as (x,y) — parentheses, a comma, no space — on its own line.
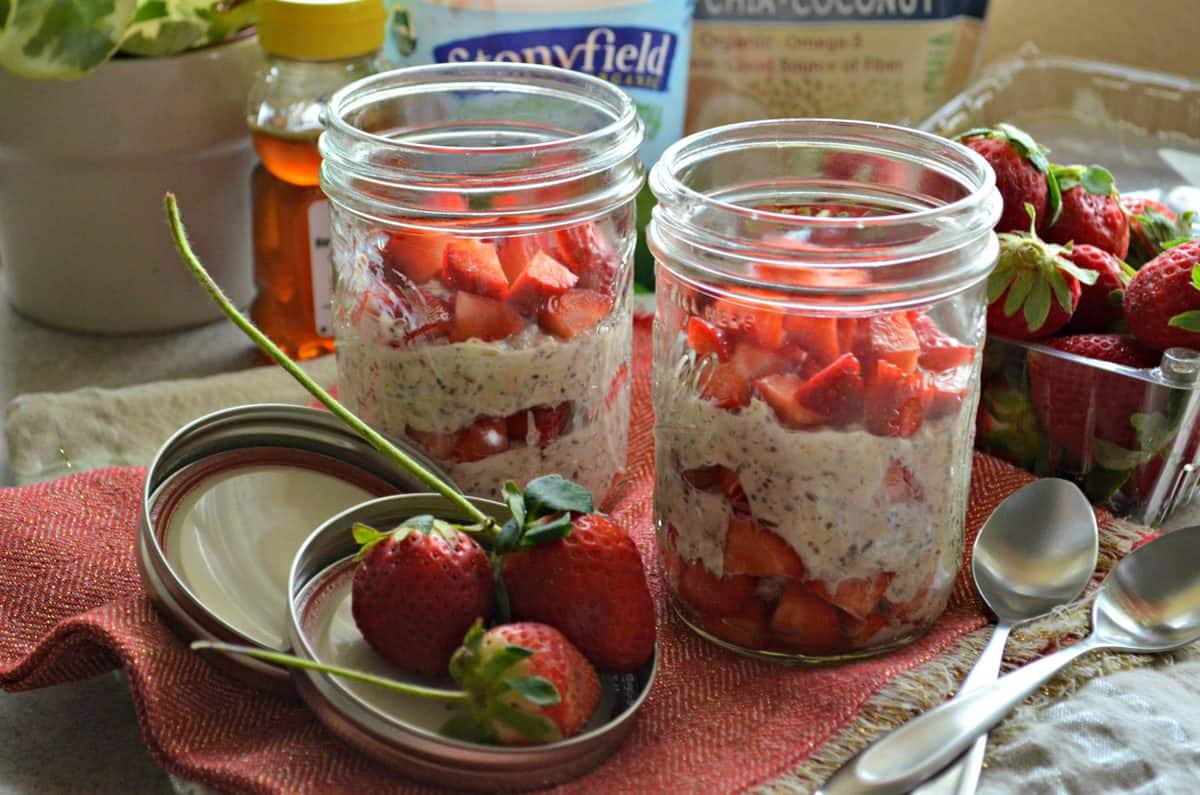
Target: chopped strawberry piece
(896,401)
(949,393)
(436,444)
(836,391)
(753,549)
(754,362)
(416,255)
(482,438)
(518,428)
(378,300)
(860,631)
(900,484)
(939,351)
(574,312)
(710,478)
(552,421)
(706,339)
(817,335)
(590,255)
(725,386)
(731,487)
(805,623)
(477,317)
(426,316)
(890,338)
(516,253)
(449,202)
(713,595)
(761,326)
(747,628)
(473,266)
(779,391)
(543,278)
(856,595)
(852,335)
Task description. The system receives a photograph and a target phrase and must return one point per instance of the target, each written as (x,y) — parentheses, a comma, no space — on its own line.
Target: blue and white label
(628,56)
(640,45)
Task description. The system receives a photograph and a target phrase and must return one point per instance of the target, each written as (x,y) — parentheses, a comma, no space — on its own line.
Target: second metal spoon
(1036,551)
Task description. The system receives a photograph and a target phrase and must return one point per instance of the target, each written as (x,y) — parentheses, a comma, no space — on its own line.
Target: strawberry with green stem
(1153,228)
(1162,303)
(1023,174)
(522,684)
(1034,289)
(1091,212)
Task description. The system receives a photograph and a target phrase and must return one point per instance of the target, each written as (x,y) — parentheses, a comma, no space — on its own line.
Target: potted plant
(110,103)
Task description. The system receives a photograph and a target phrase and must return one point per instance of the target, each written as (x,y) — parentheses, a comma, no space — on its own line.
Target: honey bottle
(311,49)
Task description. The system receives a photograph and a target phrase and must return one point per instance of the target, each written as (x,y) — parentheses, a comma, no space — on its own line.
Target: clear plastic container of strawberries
(482,234)
(1092,368)
(820,314)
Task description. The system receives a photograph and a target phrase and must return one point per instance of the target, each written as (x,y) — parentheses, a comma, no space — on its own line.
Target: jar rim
(922,239)
(360,92)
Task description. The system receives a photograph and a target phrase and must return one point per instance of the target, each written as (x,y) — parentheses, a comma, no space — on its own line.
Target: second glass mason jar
(482,237)
(817,347)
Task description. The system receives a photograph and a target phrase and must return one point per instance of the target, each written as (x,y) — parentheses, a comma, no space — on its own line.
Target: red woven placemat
(71,605)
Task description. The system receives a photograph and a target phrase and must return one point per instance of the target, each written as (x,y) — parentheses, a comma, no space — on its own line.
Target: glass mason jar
(821,301)
(482,238)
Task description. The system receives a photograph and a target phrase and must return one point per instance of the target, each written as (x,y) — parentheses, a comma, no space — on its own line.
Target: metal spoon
(1149,603)
(1035,552)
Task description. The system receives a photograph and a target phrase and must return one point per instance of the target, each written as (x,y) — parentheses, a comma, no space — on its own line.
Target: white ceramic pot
(84,165)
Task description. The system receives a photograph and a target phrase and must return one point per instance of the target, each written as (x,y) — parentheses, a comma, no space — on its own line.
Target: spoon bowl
(1151,601)
(1036,551)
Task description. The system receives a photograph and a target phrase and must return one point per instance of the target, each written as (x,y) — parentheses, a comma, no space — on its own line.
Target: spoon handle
(963,776)
(923,746)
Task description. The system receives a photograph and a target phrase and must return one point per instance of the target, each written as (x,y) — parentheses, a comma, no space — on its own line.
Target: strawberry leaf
(1114,457)
(1053,199)
(1037,306)
(998,281)
(1196,276)
(535,728)
(1188,321)
(501,660)
(1062,293)
(465,727)
(366,537)
(547,530)
(537,689)
(1023,142)
(1018,292)
(1154,431)
(509,535)
(1098,181)
(1084,275)
(516,501)
(556,494)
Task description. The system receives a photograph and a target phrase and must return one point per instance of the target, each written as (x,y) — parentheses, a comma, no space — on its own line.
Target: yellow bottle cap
(320,29)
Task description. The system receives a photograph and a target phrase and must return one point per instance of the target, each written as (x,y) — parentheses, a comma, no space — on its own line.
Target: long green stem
(336,670)
(179,234)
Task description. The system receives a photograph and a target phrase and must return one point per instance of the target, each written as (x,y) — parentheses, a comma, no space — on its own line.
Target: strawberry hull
(1125,433)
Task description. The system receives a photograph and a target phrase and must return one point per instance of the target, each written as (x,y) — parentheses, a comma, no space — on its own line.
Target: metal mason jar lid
(228,501)
(402,731)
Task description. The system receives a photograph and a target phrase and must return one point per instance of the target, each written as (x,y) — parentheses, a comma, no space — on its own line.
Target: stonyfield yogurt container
(483,231)
(816,350)
(642,46)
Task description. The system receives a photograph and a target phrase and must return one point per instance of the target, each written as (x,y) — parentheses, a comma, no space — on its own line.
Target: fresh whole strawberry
(1022,174)
(529,685)
(417,590)
(1034,289)
(1162,303)
(592,586)
(1079,403)
(1153,227)
(1091,212)
(1100,303)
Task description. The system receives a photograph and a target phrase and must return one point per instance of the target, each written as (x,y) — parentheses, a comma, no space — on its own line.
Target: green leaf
(1098,181)
(1053,199)
(1062,293)
(1188,321)
(1114,457)
(465,727)
(536,728)
(62,39)
(998,281)
(150,9)
(1018,292)
(1084,275)
(5,10)
(1154,431)
(366,537)
(554,494)
(1037,306)
(1024,143)
(510,534)
(1101,484)
(1196,276)
(501,660)
(424,523)
(545,531)
(516,501)
(537,689)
